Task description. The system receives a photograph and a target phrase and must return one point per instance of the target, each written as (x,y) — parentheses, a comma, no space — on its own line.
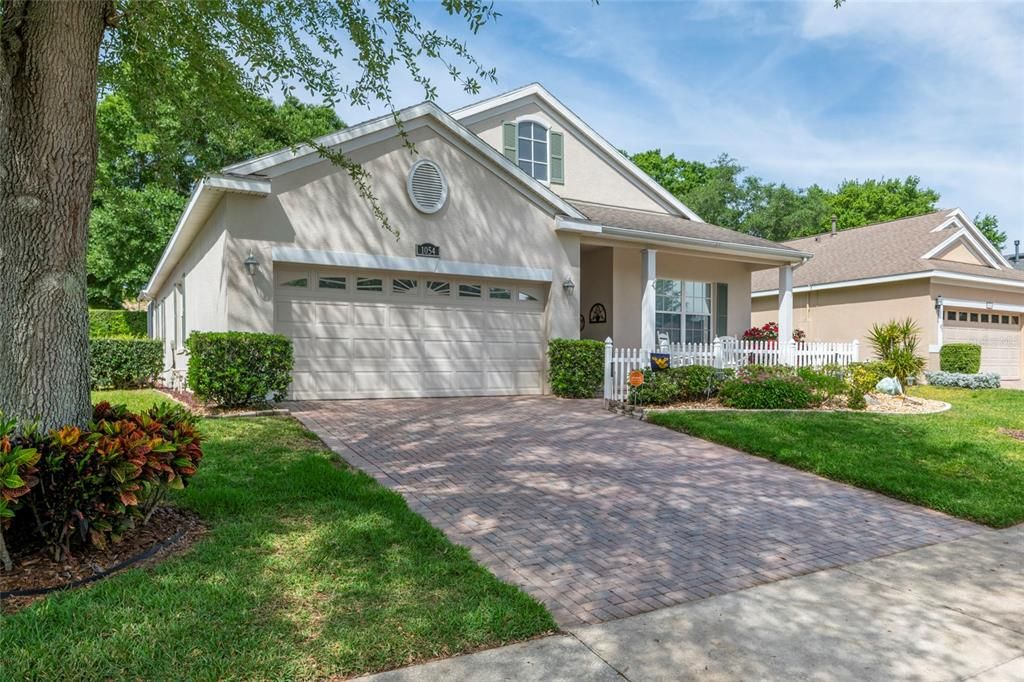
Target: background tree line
(146,172)
(721,194)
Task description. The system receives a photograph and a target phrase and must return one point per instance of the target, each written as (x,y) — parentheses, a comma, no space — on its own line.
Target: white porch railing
(726,353)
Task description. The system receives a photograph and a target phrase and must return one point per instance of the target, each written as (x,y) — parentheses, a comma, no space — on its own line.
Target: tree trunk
(49,54)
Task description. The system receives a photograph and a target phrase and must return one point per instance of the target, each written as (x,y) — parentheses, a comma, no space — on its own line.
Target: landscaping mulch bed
(213,412)
(35,569)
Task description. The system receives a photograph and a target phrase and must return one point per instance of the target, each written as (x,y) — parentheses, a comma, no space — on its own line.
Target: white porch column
(785,312)
(648,274)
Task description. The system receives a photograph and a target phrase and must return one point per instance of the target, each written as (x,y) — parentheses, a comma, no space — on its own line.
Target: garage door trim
(345,259)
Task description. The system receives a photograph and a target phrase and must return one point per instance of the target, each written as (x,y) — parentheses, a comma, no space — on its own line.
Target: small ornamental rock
(889,386)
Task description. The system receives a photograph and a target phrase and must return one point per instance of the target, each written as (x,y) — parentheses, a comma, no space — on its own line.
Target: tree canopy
(721,194)
(207,61)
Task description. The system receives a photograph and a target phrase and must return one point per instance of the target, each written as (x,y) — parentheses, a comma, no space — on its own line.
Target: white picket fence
(725,353)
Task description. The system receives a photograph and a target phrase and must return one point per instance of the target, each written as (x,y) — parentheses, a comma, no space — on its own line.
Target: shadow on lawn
(308,571)
(960,466)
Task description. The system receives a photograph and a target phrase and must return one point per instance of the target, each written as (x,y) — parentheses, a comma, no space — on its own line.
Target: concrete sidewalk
(951,611)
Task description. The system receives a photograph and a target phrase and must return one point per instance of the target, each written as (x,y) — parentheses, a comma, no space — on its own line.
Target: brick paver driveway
(601,516)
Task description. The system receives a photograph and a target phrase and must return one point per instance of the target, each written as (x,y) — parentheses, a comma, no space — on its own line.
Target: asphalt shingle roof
(663,223)
(879,250)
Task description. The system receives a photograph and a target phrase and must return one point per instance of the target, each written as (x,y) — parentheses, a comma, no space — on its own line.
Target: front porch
(637,294)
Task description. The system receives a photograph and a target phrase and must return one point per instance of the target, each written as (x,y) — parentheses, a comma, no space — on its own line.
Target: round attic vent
(427,186)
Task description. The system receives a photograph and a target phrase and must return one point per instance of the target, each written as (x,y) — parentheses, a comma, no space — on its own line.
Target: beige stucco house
(513,223)
(936,268)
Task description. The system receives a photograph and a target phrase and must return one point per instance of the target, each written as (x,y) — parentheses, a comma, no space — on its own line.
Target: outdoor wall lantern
(251,264)
(568,285)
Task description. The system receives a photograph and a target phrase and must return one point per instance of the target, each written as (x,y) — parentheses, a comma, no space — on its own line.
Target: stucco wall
(588,177)
(596,287)
(202,274)
(954,293)
(485,220)
(961,253)
(847,314)
(627,288)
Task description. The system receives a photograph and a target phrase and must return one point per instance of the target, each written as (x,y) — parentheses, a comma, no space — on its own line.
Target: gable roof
(389,126)
(261,170)
(625,222)
(539,94)
(906,249)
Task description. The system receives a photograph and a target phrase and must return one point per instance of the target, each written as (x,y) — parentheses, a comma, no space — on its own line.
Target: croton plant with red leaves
(89,486)
(770,332)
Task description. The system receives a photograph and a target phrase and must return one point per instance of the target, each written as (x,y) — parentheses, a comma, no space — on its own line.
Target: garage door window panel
(370,284)
(338,283)
(470,291)
(500,293)
(404,286)
(437,288)
(528,295)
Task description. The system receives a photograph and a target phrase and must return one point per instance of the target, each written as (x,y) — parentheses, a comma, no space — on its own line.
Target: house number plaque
(428,250)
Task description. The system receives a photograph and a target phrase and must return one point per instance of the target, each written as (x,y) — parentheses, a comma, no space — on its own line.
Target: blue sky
(797,91)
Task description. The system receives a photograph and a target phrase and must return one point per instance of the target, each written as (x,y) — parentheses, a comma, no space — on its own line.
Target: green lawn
(309,570)
(956,461)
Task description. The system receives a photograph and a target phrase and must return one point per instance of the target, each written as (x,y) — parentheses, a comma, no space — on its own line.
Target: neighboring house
(1014,258)
(517,224)
(936,268)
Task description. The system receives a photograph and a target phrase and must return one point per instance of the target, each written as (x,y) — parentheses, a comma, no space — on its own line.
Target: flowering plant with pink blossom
(770,332)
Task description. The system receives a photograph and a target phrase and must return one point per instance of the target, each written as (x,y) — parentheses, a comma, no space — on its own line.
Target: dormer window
(532,147)
(536,149)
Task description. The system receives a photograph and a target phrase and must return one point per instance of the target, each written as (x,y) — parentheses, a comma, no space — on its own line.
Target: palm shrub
(895,343)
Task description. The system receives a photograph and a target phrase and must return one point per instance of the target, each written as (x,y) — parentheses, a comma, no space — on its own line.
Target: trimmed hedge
(118,323)
(960,358)
(962,380)
(237,369)
(124,363)
(575,367)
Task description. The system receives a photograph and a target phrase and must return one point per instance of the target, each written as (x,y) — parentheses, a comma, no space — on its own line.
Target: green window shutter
(508,135)
(721,309)
(557,159)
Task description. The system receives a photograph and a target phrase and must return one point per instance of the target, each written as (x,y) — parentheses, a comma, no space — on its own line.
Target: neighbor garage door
(366,334)
(997,333)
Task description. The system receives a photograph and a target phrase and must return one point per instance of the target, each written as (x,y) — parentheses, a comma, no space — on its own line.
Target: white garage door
(365,334)
(997,333)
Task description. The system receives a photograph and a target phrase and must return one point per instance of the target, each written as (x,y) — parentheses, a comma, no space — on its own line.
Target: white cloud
(934,89)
